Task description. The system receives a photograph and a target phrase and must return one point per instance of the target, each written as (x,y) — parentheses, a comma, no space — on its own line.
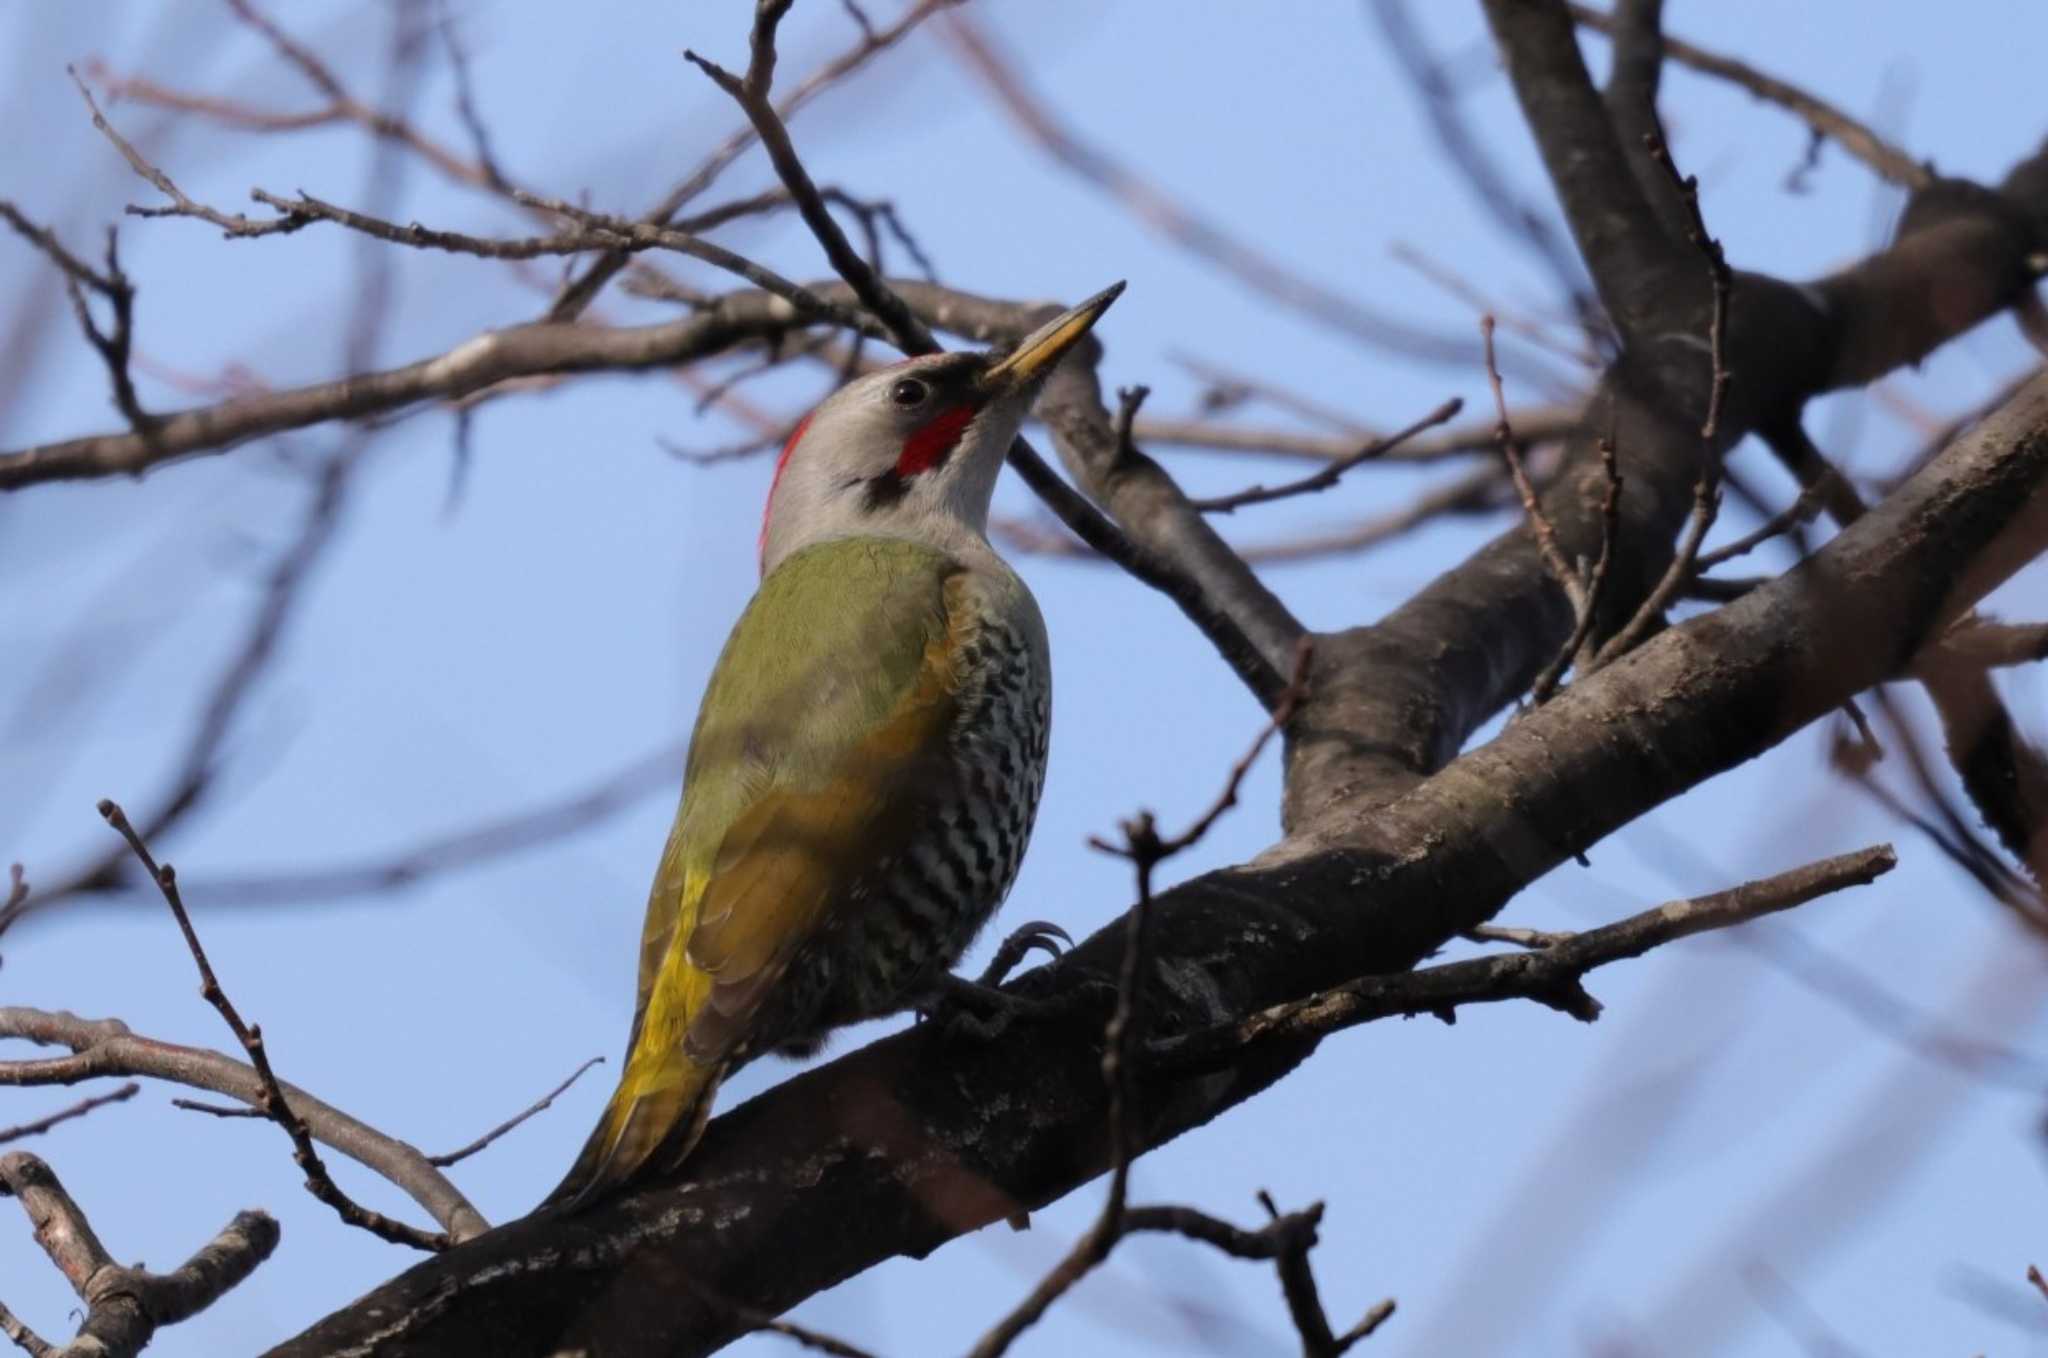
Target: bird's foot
(980,1009)
(976,1011)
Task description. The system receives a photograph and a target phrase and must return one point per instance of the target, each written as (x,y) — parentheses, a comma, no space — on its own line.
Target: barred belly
(915,915)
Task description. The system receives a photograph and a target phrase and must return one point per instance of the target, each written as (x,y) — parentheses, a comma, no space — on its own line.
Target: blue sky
(1521,1183)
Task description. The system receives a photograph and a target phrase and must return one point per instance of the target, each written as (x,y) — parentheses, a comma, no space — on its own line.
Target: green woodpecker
(868,755)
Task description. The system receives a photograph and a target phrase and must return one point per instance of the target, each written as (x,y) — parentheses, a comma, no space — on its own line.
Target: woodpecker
(867,757)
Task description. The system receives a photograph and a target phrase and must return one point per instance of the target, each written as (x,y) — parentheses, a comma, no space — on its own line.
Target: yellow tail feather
(649,1125)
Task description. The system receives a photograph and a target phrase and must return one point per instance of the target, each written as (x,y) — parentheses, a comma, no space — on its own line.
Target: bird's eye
(909,392)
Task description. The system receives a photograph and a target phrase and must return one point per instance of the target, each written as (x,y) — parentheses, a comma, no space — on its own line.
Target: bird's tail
(652,1122)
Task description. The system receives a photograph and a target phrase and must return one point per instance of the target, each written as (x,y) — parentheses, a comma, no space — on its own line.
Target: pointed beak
(1042,348)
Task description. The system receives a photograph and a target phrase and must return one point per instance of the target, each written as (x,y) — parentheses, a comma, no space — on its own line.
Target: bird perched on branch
(868,756)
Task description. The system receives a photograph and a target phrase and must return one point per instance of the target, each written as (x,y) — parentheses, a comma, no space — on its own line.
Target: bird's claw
(1040,934)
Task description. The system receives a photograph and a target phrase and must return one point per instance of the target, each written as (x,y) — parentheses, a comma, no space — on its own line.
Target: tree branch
(125,1307)
(1551,974)
(63,1115)
(273,1103)
(105,1047)
(1329,475)
(1825,119)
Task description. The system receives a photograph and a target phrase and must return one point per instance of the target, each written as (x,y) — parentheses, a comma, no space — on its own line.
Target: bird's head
(912,451)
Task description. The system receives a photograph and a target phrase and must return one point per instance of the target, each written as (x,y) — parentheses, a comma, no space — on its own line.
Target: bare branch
(1803,509)
(579,293)
(232,224)
(1619,234)
(1551,975)
(1155,209)
(1510,454)
(751,93)
(114,347)
(1520,221)
(273,1102)
(1825,119)
(198,767)
(105,1047)
(479,362)
(63,1115)
(1538,426)
(458,851)
(1329,475)
(540,1105)
(465,100)
(1228,388)
(125,1307)
(1588,606)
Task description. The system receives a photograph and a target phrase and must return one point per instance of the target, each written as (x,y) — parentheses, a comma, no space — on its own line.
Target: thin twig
(751,93)
(540,1105)
(459,850)
(579,293)
(1289,701)
(1532,330)
(1329,475)
(318,1181)
(1859,140)
(115,347)
(1545,424)
(1155,209)
(1510,453)
(219,1110)
(233,224)
(63,1115)
(1225,389)
(1588,610)
(465,100)
(1802,510)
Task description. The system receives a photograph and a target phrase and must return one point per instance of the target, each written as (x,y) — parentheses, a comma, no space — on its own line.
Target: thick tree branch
(492,357)
(1176,550)
(1618,232)
(1399,698)
(125,1307)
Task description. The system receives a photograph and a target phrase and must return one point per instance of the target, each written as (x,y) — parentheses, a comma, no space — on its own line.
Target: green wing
(816,723)
(819,742)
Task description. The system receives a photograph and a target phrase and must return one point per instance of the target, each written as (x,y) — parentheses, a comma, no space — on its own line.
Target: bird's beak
(1034,358)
